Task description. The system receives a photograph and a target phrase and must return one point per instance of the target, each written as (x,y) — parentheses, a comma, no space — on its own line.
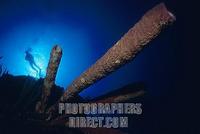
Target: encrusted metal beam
(49,81)
(124,50)
(148,27)
(121,98)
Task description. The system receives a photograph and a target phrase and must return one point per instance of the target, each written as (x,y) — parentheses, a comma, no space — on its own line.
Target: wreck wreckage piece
(123,94)
(121,98)
(49,81)
(122,52)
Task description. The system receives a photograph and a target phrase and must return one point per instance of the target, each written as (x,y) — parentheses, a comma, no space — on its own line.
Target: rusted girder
(49,80)
(148,27)
(124,50)
(121,98)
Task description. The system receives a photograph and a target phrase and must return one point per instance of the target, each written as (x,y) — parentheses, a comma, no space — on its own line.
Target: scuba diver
(29,57)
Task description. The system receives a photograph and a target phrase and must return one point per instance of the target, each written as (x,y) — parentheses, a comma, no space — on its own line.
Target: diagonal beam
(147,28)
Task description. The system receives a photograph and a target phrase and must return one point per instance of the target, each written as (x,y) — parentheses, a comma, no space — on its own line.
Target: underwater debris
(49,81)
(148,27)
(124,50)
(123,97)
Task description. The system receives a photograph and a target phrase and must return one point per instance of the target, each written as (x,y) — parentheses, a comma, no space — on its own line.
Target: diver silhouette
(29,57)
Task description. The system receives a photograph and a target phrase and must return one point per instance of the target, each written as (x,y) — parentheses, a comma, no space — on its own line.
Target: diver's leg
(32,66)
(39,72)
(37,67)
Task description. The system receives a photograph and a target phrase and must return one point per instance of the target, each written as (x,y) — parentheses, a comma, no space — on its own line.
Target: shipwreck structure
(49,81)
(145,30)
(124,51)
